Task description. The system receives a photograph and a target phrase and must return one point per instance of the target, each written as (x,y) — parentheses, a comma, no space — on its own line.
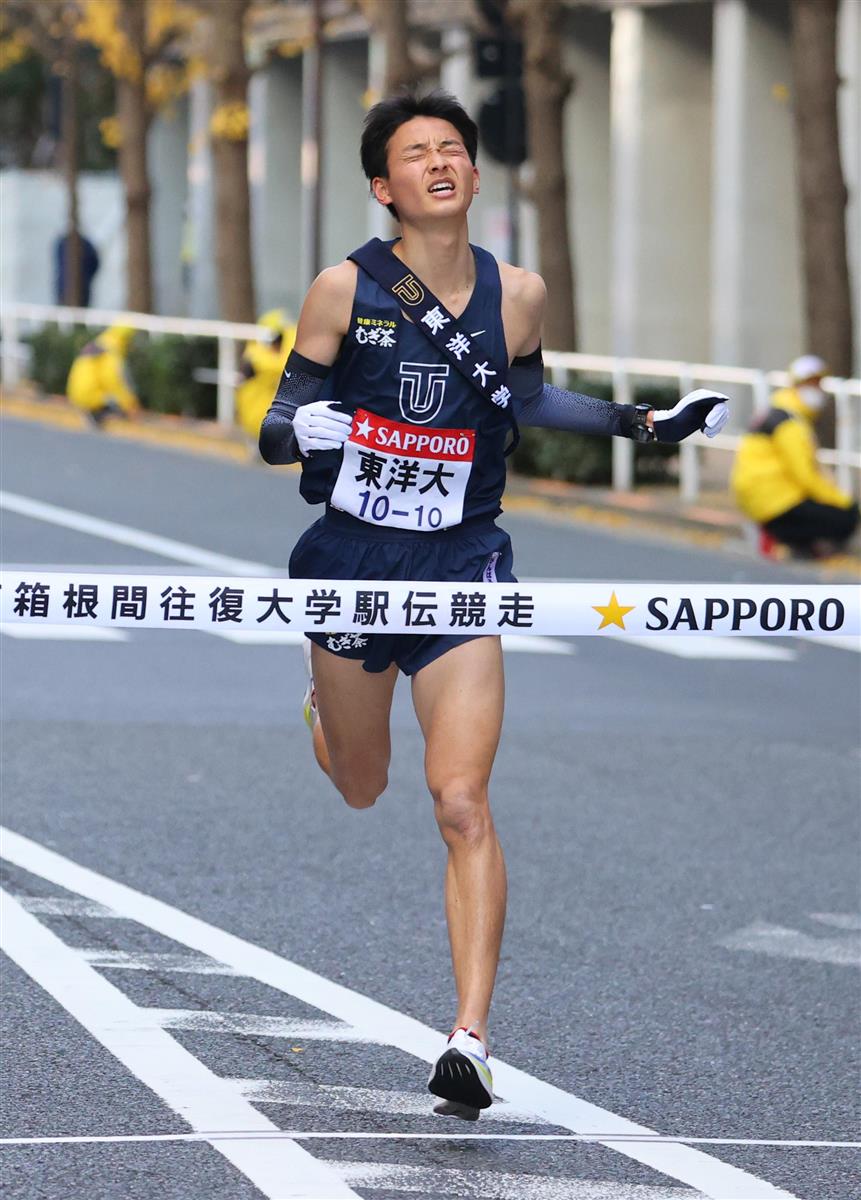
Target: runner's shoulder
(330,296)
(522,287)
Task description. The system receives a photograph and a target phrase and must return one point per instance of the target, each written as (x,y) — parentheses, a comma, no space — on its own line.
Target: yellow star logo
(613,613)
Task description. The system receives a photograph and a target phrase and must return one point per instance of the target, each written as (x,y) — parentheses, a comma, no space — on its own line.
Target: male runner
(363,366)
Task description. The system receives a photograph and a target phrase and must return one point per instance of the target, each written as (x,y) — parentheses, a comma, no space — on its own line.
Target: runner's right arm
(287,433)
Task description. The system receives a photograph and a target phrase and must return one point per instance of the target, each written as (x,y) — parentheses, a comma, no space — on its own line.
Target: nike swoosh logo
(477,332)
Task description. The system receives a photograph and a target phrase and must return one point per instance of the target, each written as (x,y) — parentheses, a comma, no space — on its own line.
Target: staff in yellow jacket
(261,367)
(97,382)
(776,479)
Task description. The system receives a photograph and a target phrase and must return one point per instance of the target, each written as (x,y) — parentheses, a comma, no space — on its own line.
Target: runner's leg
(354,707)
(459,701)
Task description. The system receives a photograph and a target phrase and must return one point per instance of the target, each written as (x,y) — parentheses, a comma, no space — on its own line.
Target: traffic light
(502,116)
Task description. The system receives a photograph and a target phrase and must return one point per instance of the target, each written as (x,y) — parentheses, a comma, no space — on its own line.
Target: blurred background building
(688,183)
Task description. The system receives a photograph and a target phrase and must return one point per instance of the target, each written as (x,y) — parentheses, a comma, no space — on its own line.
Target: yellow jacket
(253,397)
(98,373)
(775,467)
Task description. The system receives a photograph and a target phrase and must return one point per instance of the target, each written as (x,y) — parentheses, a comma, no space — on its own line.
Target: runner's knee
(461,810)
(361,790)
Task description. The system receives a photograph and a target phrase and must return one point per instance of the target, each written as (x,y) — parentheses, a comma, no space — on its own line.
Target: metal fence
(750,389)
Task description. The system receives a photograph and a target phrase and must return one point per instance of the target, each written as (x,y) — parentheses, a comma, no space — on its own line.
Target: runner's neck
(443,260)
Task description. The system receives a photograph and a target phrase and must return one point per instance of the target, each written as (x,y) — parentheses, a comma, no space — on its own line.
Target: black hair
(388,115)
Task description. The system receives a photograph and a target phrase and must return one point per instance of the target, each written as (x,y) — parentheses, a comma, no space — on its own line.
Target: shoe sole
(450,1108)
(456,1080)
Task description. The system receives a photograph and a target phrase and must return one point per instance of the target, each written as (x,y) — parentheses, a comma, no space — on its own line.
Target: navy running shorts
(339,546)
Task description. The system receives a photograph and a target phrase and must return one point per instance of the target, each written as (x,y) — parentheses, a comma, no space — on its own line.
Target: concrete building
(683,218)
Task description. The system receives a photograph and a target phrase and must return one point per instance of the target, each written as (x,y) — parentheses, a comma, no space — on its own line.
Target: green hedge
(579,458)
(161,367)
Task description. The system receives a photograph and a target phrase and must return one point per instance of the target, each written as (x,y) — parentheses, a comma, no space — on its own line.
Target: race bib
(404,476)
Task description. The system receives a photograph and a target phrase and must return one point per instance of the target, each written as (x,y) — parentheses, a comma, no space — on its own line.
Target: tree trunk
(827,296)
(390,19)
(71,246)
(134,124)
(229,74)
(546,86)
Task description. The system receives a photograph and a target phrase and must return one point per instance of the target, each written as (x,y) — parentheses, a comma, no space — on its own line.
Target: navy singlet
(426,450)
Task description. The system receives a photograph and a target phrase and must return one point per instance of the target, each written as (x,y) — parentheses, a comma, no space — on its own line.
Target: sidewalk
(712,520)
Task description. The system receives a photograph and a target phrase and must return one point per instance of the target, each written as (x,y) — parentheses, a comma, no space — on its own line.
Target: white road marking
(65,906)
(535,643)
(355,1099)
(839,920)
(259,637)
(194,1021)
(836,642)
(147,960)
(497,1185)
(63,633)
(455,1135)
(779,942)
(278,1168)
(709,646)
(377,1022)
(127,536)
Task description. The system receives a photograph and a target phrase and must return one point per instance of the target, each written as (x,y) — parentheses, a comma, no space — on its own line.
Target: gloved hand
(319,426)
(702,409)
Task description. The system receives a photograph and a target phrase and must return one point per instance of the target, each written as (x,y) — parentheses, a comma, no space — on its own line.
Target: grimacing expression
(430,171)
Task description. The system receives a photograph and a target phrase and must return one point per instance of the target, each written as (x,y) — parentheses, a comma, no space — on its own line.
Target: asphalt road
(682,838)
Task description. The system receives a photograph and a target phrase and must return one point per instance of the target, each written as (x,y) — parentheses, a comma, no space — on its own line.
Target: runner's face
(430,173)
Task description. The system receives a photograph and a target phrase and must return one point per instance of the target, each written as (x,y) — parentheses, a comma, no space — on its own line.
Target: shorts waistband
(345,523)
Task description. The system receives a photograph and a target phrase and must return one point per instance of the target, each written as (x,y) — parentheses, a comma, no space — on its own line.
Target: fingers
(335,414)
(320,443)
(320,426)
(716,419)
(703,394)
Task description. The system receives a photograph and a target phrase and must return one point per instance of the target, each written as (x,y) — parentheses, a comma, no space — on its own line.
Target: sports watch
(640,431)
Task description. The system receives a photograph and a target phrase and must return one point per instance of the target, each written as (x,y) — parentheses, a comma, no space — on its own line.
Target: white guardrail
(845,458)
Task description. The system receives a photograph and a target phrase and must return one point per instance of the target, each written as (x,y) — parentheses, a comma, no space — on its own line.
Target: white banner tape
(608,609)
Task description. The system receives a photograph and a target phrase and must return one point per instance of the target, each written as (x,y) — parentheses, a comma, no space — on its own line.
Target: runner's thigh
(459,700)
(354,707)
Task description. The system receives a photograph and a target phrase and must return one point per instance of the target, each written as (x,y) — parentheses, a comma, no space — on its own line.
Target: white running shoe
(309,700)
(462,1078)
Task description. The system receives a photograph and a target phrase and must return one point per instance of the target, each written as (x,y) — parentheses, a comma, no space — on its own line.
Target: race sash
(441,329)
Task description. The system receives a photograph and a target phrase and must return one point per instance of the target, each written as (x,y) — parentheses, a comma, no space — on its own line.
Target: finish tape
(349,609)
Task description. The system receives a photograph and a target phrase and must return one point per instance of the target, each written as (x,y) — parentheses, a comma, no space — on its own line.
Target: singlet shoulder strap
(438,325)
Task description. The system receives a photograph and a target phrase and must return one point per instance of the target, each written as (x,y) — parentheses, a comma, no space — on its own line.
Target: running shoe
(462,1078)
(309,700)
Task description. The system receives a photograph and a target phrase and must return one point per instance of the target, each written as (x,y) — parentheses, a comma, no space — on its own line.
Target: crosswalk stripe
(147,960)
(709,646)
(252,1024)
(63,633)
(259,637)
(65,906)
(280,1169)
(496,1185)
(836,643)
(357,1099)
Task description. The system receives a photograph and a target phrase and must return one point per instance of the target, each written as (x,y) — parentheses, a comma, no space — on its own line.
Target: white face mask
(812,396)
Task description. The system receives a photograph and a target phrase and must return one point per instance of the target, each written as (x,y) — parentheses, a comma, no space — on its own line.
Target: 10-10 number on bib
(404,477)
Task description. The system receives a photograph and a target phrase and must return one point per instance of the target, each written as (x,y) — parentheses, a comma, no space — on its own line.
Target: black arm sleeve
(541,404)
(301,383)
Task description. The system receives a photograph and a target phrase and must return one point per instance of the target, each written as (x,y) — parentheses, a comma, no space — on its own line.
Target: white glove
(700,409)
(703,409)
(318,426)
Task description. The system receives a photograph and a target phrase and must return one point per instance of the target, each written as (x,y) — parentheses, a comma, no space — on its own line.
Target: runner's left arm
(544,405)
(549,407)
